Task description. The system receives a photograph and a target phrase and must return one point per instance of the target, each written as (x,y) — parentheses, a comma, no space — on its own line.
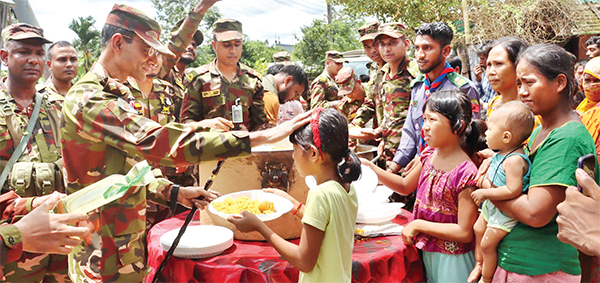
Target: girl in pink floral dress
(444,214)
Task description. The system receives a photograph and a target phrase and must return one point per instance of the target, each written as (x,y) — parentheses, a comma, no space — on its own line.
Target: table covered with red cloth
(379,259)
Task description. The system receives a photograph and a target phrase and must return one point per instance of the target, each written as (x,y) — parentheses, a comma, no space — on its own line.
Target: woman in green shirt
(531,251)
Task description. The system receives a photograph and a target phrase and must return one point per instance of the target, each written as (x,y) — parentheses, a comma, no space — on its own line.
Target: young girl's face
(301,160)
(436,128)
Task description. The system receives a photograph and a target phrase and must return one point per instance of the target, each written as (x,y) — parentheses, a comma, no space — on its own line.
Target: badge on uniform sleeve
(211,93)
(125,106)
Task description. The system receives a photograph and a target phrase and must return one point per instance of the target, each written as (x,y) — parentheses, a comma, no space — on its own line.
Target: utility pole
(329,21)
(466,66)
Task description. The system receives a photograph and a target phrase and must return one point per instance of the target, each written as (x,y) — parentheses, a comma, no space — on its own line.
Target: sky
(261,19)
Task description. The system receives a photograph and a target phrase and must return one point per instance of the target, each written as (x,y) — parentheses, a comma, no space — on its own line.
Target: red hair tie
(314,127)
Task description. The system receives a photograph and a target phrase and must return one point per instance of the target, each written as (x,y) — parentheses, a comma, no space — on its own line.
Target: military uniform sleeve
(180,39)
(11,247)
(366,110)
(13,207)
(317,95)
(258,117)
(399,103)
(191,106)
(106,117)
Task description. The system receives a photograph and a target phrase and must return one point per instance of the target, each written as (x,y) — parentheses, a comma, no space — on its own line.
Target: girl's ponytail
(473,139)
(349,168)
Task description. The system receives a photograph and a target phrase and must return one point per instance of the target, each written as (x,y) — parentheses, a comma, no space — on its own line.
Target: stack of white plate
(199,241)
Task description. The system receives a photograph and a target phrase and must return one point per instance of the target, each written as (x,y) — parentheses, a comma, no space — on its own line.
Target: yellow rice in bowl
(236,206)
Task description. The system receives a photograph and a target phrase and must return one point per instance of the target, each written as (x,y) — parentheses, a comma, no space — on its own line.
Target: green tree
(310,50)
(87,42)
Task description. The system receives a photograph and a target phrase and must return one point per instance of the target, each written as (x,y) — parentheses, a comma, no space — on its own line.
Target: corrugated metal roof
(588,21)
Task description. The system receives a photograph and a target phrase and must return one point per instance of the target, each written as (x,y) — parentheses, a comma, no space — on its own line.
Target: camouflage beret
(345,79)
(23,31)
(143,26)
(198,37)
(368,31)
(394,30)
(335,56)
(281,56)
(227,29)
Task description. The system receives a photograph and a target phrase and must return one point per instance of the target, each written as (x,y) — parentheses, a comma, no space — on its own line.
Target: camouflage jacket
(180,38)
(104,134)
(11,247)
(349,107)
(43,147)
(209,95)
(322,89)
(372,106)
(395,98)
(47,87)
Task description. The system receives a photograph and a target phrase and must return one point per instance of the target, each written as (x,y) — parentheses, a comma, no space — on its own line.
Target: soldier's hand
(188,196)
(280,132)
(37,201)
(217,123)
(204,5)
(43,232)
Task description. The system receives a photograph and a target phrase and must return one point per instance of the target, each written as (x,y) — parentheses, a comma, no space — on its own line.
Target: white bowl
(198,241)
(366,183)
(377,213)
(282,205)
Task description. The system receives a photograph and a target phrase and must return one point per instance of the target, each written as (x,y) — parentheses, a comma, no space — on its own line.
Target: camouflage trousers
(37,268)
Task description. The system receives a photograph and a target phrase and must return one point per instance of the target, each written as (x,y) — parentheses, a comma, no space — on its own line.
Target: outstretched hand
(43,232)
(188,196)
(247,222)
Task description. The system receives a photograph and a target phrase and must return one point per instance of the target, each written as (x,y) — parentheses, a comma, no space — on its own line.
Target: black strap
(187,221)
(173,198)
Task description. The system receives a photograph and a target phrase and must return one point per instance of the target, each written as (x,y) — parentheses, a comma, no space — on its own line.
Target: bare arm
(461,232)
(401,185)
(515,167)
(536,208)
(303,256)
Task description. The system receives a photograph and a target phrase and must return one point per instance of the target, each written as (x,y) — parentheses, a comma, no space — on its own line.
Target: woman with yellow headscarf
(591,85)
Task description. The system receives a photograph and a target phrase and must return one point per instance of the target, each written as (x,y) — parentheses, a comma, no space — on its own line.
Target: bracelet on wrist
(297,207)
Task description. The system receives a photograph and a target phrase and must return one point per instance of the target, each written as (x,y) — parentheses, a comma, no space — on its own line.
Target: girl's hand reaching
(248,222)
(283,194)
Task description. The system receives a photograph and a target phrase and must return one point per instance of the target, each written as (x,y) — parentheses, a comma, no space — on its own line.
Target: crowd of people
(487,167)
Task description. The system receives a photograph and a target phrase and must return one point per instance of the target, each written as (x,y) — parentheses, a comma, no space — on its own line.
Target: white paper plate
(366,183)
(198,241)
(282,205)
(377,213)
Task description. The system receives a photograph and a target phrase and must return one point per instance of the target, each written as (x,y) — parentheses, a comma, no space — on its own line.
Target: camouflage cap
(227,29)
(335,56)
(143,26)
(23,31)
(394,30)
(281,56)
(198,35)
(368,31)
(345,79)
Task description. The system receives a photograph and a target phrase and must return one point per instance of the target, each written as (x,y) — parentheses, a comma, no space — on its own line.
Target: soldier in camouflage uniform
(38,169)
(323,88)
(394,86)
(282,57)
(372,107)
(352,90)
(104,134)
(184,41)
(214,88)
(63,66)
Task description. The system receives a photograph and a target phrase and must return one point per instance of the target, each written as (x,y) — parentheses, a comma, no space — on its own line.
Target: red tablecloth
(381,259)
